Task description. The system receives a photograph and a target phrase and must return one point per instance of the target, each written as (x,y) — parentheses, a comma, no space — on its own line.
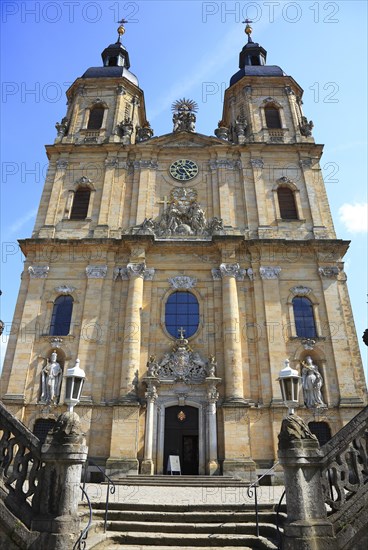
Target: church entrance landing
(181,438)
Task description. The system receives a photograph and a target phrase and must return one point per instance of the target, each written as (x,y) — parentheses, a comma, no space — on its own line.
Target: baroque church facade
(183,276)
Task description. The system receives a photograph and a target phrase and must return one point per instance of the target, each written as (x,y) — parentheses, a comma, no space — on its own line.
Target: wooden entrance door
(181,438)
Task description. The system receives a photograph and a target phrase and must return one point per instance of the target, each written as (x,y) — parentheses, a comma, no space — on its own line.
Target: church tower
(183,270)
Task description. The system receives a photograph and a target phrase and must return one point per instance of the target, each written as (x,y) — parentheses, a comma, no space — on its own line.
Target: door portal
(181,438)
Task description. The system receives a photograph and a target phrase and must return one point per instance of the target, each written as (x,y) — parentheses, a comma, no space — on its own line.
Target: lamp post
(289,384)
(75,377)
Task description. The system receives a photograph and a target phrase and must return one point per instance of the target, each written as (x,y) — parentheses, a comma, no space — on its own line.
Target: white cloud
(18,224)
(354,217)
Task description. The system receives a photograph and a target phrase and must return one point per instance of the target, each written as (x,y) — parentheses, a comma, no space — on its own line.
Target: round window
(182,311)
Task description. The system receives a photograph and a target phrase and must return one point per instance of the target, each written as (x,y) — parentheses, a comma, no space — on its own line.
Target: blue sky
(183,49)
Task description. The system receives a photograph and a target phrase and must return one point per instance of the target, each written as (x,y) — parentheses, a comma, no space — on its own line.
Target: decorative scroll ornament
(182,282)
(306,163)
(96,271)
(64,289)
(136,270)
(61,164)
(184,117)
(328,272)
(301,290)
(269,272)
(183,216)
(284,180)
(84,181)
(38,271)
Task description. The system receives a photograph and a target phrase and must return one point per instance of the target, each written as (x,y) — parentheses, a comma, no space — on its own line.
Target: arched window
(321,430)
(273,119)
(304,317)
(80,203)
(287,204)
(42,427)
(61,316)
(96,117)
(181,311)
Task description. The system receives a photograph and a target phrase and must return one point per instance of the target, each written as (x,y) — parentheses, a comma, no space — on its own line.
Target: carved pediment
(184,139)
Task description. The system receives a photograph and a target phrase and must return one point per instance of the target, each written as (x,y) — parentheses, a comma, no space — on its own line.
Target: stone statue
(62,127)
(312,383)
(126,129)
(211,366)
(306,127)
(240,128)
(184,117)
(152,366)
(144,133)
(51,380)
(222,132)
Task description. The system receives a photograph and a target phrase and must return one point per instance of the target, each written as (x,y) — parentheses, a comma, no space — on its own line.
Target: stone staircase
(162,518)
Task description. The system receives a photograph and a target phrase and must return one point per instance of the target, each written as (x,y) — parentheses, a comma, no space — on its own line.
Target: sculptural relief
(51,377)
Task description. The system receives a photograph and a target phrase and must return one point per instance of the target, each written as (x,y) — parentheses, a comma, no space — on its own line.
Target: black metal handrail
(110,487)
(80,543)
(279,546)
(252,491)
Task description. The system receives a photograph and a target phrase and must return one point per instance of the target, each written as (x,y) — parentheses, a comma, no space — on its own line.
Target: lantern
(75,377)
(289,384)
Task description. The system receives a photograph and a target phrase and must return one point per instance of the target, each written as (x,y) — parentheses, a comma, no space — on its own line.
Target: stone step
(179,541)
(187,517)
(186,481)
(213,528)
(180,508)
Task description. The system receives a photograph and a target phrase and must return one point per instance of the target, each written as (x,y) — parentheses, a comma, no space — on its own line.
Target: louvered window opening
(287,204)
(80,204)
(95,118)
(272,117)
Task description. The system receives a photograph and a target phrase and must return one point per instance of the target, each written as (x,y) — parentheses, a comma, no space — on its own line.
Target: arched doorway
(181,438)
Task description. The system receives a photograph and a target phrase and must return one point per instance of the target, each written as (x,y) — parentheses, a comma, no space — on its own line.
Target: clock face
(183,169)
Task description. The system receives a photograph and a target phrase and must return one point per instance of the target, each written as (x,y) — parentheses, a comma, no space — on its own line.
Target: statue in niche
(312,383)
(51,380)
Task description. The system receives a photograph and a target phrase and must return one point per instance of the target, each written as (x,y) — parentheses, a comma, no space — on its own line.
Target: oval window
(182,312)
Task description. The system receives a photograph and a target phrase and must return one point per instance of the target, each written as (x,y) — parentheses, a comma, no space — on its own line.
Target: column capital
(38,271)
(96,271)
(231,270)
(267,272)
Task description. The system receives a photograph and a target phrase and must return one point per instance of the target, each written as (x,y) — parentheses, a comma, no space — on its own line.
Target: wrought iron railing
(252,492)
(345,464)
(110,488)
(20,466)
(81,542)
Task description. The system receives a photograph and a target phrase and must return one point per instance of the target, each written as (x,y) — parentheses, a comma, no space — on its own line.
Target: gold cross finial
(121,29)
(248,29)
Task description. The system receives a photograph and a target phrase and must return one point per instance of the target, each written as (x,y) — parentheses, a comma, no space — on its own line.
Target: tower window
(113,61)
(96,117)
(287,204)
(304,317)
(272,117)
(61,316)
(80,204)
(182,310)
(254,60)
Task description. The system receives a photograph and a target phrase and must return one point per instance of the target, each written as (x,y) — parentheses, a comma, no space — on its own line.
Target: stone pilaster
(212,466)
(132,333)
(231,330)
(151,396)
